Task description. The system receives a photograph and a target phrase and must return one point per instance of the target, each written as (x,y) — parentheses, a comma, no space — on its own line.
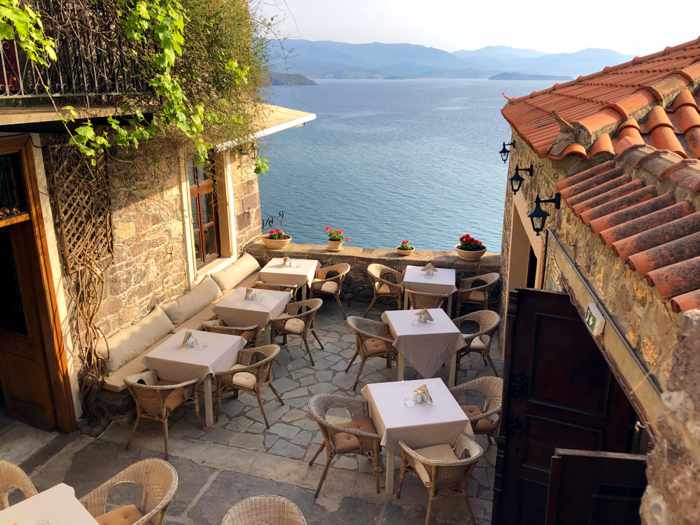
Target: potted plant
(469,248)
(276,239)
(405,248)
(336,237)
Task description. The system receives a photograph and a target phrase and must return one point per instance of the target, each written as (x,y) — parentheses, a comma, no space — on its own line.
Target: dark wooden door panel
(600,488)
(559,393)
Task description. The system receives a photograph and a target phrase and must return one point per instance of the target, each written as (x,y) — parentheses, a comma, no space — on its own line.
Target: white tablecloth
(301,272)
(173,361)
(55,506)
(418,425)
(235,310)
(426,346)
(440,282)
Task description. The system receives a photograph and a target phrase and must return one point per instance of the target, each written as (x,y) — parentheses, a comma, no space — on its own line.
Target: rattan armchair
(440,466)
(268,510)
(386,284)
(158,480)
(329,281)
(156,400)
(356,436)
(372,339)
(479,341)
(298,320)
(249,333)
(485,413)
(13,478)
(253,374)
(419,300)
(476,290)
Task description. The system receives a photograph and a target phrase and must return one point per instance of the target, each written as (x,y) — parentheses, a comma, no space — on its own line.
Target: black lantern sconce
(516,181)
(505,151)
(538,216)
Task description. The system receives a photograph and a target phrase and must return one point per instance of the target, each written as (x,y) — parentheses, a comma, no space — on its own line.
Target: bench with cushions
(128,347)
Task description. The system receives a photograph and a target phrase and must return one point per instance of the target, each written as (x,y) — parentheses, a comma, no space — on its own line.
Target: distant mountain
(325,59)
(526,76)
(290,79)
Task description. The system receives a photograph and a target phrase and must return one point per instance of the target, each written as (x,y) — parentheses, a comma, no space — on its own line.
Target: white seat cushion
(197,320)
(233,274)
(130,342)
(194,301)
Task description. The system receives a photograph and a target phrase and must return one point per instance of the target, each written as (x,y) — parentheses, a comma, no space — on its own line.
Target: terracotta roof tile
(678,278)
(670,253)
(686,301)
(620,203)
(631,213)
(603,145)
(645,222)
(619,190)
(659,235)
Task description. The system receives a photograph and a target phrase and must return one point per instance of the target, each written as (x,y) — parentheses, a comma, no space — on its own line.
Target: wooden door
(601,488)
(559,393)
(26,385)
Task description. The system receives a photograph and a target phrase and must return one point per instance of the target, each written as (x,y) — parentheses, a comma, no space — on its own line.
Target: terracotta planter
(276,244)
(405,253)
(470,255)
(334,246)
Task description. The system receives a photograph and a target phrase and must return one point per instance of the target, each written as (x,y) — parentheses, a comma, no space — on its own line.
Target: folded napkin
(249,293)
(422,394)
(429,268)
(190,341)
(424,316)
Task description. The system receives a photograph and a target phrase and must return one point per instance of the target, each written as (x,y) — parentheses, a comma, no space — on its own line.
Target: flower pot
(334,246)
(276,244)
(405,253)
(470,255)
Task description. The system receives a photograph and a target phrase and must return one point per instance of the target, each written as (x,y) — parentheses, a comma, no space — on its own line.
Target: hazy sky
(627,26)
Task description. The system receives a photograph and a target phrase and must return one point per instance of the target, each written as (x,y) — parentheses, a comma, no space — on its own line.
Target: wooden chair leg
(323,476)
(493,366)
(313,332)
(402,477)
(277,395)
(371,304)
(165,436)
(308,350)
(352,361)
(359,372)
(260,404)
(323,445)
(431,495)
(133,432)
(340,305)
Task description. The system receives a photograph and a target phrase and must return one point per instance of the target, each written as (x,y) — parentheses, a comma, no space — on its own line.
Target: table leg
(208,402)
(453,371)
(303,293)
(449,306)
(389,466)
(400,367)
(405,301)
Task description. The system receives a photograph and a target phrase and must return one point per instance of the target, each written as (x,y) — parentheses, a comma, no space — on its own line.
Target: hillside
(290,79)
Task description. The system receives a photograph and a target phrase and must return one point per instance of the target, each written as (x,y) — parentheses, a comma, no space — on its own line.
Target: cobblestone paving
(240,436)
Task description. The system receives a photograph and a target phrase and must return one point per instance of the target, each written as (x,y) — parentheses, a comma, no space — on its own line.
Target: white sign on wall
(594,320)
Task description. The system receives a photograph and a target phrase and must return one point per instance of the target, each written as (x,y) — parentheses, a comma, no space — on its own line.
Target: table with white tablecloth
(425,345)
(261,306)
(297,272)
(55,506)
(439,281)
(396,418)
(174,361)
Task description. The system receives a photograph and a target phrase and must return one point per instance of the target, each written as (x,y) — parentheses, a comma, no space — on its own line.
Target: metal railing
(94,59)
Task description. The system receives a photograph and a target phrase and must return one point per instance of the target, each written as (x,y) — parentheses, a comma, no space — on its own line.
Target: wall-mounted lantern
(505,151)
(538,216)
(516,181)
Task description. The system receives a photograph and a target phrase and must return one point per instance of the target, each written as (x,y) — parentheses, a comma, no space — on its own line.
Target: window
(205,216)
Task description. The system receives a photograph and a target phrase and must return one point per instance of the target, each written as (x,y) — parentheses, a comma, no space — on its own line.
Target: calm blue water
(392,159)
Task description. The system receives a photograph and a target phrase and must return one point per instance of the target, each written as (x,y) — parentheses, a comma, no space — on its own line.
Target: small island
(526,76)
(290,79)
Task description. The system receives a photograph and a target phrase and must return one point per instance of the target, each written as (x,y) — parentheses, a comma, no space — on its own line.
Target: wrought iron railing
(94,59)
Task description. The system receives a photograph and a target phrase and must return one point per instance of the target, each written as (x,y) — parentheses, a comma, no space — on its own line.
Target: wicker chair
(156,400)
(253,374)
(270,510)
(249,333)
(476,290)
(293,289)
(439,466)
(485,416)
(421,300)
(158,480)
(329,281)
(357,436)
(386,284)
(298,320)
(13,478)
(373,339)
(479,341)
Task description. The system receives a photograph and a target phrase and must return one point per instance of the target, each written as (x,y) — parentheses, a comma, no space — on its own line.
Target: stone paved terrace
(238,457)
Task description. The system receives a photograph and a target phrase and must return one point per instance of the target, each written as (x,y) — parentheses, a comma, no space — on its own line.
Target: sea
(388,160)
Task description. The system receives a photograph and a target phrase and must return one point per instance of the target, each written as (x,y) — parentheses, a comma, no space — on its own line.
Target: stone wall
(149,262)
(357,285)
(246,194)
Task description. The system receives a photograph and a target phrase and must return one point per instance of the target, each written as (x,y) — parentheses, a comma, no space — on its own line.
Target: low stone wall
(357,285)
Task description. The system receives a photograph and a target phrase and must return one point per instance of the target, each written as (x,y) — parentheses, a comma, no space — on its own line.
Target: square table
(299,272)
(172,361)
(419,425)
(439,282)
(55,506)
(235,310)
(427,345)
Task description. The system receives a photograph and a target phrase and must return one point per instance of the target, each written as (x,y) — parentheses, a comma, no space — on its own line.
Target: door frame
(51,334)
